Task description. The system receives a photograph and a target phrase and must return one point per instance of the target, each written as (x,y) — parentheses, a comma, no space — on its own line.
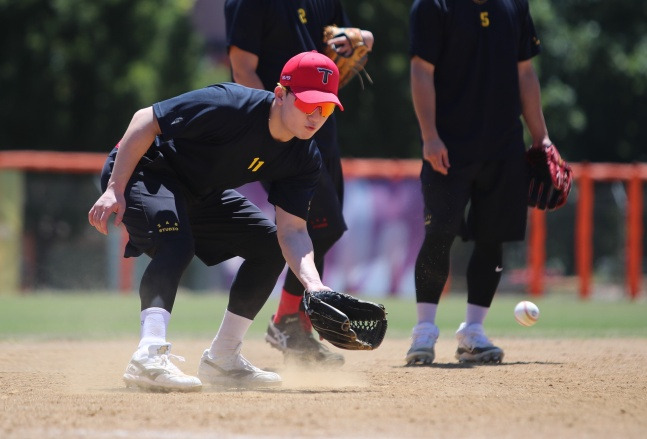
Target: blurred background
(72,73)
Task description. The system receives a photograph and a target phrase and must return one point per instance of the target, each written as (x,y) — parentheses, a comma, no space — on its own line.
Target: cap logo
(326,73)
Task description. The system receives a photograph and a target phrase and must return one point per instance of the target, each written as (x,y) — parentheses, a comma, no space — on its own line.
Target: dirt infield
(545,388)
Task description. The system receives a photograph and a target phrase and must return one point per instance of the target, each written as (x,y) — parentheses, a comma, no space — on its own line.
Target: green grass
(106,315)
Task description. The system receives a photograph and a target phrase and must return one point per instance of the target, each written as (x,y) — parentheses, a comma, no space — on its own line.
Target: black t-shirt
(276,30)
(218,138)
(475,47)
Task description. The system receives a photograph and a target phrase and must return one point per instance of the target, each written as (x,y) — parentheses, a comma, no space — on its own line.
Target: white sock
(475,314)
(232,330)
(426,312)
(154,322)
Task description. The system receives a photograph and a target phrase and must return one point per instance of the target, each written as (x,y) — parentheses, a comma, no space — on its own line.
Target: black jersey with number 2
(275,30)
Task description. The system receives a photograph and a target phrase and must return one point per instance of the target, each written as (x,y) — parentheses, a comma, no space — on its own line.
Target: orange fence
(586,174)
(50,161)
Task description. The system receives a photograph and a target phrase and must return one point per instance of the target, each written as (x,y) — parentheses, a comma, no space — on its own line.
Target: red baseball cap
(312,77)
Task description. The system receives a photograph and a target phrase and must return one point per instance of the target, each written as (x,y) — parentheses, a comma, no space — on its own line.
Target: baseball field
(580,372)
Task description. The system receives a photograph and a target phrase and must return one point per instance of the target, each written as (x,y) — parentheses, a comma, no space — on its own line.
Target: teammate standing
(261,36)
(471,80)
(170,180)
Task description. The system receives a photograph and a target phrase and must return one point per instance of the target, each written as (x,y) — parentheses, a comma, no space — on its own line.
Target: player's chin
(307,132)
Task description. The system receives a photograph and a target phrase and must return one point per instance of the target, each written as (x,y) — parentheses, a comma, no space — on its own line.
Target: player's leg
(483,275)
(497,214)
(431,272)
(290,330)
(444,198)
(223,228)
(157,225)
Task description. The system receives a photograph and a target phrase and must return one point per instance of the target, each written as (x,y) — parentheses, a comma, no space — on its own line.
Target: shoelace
(424,338)
(477,339)
(165,361)
(246,364)
(242,362)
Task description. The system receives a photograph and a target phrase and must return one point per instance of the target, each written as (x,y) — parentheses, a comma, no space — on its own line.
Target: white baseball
(526,313)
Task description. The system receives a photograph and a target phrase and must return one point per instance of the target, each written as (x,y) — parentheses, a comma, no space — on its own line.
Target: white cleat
(475,347)
(234,371)
(423,342)
(152,370)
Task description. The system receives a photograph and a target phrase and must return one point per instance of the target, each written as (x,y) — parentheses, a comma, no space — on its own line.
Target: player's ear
(280,93)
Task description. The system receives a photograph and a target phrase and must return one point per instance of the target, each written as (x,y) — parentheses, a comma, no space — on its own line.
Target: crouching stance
(170,181)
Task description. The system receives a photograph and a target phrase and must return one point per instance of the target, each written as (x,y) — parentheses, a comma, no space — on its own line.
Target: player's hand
(435,152)
(341,45)
(106,205)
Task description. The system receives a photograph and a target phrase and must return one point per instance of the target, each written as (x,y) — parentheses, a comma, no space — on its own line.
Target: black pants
(495,195)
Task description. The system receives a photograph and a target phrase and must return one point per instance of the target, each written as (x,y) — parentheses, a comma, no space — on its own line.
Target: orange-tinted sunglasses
(327,108)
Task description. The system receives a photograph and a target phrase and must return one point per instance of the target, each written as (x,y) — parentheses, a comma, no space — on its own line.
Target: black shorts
(221,225)
(493,193)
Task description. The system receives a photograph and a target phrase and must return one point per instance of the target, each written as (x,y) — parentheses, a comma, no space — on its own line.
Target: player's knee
(268,252)
(492,251)
(322,244)
(179,252)
(438,229)
(438,240)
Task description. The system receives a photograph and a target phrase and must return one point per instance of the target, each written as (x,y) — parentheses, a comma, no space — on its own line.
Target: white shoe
(475,347)
(234,371)
(423,342)
(153,370)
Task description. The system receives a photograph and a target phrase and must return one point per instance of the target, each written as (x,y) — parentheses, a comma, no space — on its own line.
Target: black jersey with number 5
(475,47)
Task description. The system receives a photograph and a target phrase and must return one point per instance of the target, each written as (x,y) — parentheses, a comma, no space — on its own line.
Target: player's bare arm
(139,136)
(368,39)
(530,92)
(243,67)
(297,249)
(423,92)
